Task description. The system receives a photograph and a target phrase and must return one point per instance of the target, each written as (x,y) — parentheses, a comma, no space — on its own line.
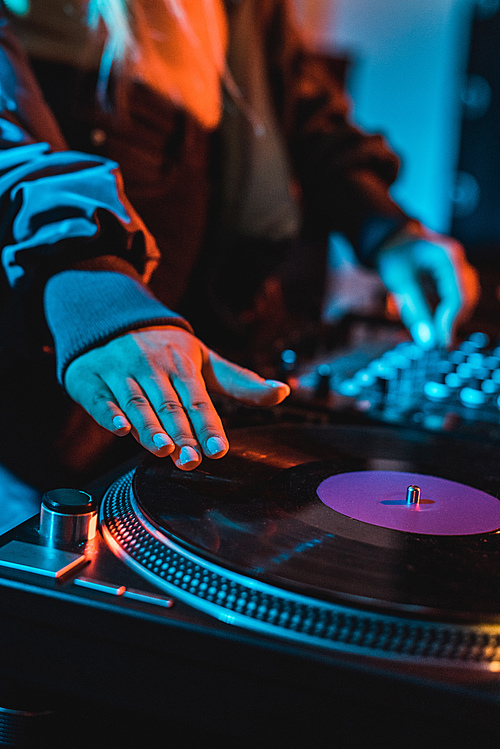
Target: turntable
(317,574)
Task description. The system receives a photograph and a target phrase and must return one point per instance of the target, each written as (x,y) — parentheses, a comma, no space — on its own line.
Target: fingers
(184,408)
(87,389)
(225,378)
(122,414)
(153,384)
(456,283)
(155,416)
(459,289)
(168,413)
(401,278)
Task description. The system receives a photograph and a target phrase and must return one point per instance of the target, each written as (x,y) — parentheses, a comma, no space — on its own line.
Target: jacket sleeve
(344,174)
(61,211)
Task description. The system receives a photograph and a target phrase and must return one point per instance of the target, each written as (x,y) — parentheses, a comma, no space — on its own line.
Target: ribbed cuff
(375,232)
(85,309)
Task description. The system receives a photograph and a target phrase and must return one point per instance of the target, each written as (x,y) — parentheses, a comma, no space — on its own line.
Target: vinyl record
(322,510)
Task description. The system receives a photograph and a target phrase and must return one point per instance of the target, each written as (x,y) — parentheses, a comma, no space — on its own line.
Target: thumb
(225,378)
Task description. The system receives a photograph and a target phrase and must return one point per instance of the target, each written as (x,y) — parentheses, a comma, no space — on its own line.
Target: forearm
(344,174)
(59,209)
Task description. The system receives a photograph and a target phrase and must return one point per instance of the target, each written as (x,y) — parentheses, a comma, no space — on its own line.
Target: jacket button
(97,137)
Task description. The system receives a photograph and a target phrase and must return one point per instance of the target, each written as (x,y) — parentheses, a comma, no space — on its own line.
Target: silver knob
(68,516)
(413,495)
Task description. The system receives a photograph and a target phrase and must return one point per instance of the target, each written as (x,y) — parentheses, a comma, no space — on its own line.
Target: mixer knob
(481,340)
(438,388)
(383,380)
(288,363)
(349,387)
(473,395)
(323,378)
(457,357)
(464,371)
(365,378)
(476,360)
(453,381)
(490,387)
(475,342)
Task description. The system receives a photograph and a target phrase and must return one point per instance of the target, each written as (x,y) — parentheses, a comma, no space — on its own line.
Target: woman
(234,146)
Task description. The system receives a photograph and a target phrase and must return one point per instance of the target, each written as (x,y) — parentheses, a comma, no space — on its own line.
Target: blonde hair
(179,52)
(115,17)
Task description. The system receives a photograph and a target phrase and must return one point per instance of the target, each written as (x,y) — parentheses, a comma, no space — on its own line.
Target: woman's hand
(403,263)
(154,383)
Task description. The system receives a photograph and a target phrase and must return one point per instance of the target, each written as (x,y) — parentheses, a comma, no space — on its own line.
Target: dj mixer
(444,390)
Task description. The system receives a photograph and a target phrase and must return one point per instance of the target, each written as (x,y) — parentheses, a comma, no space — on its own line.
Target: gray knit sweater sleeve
(87,308)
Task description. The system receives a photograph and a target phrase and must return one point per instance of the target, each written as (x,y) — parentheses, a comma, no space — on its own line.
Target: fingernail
(423,334)
(188,455)
(119,422)
(275,383)
(161,440)
(216,445)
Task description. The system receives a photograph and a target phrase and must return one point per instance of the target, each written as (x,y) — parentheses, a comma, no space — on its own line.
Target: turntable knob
(68,516)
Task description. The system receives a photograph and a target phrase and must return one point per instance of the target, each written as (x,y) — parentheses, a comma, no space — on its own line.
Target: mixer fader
(437,389)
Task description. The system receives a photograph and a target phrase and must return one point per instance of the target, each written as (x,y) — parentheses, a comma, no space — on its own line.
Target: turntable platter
(272,525)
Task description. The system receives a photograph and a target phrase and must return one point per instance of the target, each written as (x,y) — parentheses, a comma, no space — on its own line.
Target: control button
(436,390)
(473,397)
(364,377)
(453,381)
(288,364)
(491,362)
(464,371)
(481,340)
(457,357)
(399,361)
(349,387)
(98,137)
(490,387)
(476,360)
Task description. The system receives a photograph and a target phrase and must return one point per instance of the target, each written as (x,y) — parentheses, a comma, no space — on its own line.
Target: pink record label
(446,508)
